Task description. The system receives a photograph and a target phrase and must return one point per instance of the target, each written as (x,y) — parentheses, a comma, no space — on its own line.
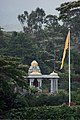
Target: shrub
(33,89)
(41,99)
(50,112)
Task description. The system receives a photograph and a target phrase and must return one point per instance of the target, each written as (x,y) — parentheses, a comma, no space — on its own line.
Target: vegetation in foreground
(45,112)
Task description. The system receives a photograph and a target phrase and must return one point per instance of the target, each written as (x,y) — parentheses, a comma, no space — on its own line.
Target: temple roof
(34,68)
(35,72)
(44,76)
(34,63)
(53,73)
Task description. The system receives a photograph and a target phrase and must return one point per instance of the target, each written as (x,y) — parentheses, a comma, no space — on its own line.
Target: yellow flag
(65,48)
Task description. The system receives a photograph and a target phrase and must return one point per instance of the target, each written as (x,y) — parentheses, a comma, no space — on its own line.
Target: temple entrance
(35,83)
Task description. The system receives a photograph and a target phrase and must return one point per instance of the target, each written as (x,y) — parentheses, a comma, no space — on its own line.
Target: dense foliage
(52,113)
(11,82)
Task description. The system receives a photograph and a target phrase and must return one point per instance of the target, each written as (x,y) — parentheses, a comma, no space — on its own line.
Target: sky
(10,9)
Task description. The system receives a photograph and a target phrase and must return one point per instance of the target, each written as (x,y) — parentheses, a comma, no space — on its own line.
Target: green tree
(11,70)
(2,41)
(11,81)
(70,16)
(33,21)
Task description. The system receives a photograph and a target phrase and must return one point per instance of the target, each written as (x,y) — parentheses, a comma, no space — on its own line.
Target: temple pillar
(57,85)
(31,82)
(39,82)
(54,85)
(52,88)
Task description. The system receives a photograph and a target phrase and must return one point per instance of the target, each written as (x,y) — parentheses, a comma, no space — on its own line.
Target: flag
(65,48)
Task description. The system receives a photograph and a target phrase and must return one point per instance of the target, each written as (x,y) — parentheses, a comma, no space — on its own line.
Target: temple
(36,78)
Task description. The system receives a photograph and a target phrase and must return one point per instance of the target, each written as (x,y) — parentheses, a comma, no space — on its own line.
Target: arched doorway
(35,83)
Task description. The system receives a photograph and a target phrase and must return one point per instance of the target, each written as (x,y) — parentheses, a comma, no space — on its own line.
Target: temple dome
(34,69)
(34,63)
(35,73)
(53,73)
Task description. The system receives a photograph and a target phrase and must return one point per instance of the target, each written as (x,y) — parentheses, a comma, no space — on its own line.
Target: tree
(11,79)
(70,16)
(10,70)
(2,41)
(33,21)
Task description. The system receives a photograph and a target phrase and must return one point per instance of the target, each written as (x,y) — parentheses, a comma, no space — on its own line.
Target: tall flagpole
(69,73)
(67,43)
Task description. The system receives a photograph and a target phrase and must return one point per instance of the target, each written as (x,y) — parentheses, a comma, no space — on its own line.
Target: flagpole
(69,73)
(67,45)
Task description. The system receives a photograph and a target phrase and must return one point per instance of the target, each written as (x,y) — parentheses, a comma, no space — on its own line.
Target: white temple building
(36,78)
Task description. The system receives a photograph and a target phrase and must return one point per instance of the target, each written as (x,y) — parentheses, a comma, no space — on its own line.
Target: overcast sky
(9,10)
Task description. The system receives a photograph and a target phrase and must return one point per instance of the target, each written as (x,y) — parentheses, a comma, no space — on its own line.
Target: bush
(55,113)
(46,99)
(33,89)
